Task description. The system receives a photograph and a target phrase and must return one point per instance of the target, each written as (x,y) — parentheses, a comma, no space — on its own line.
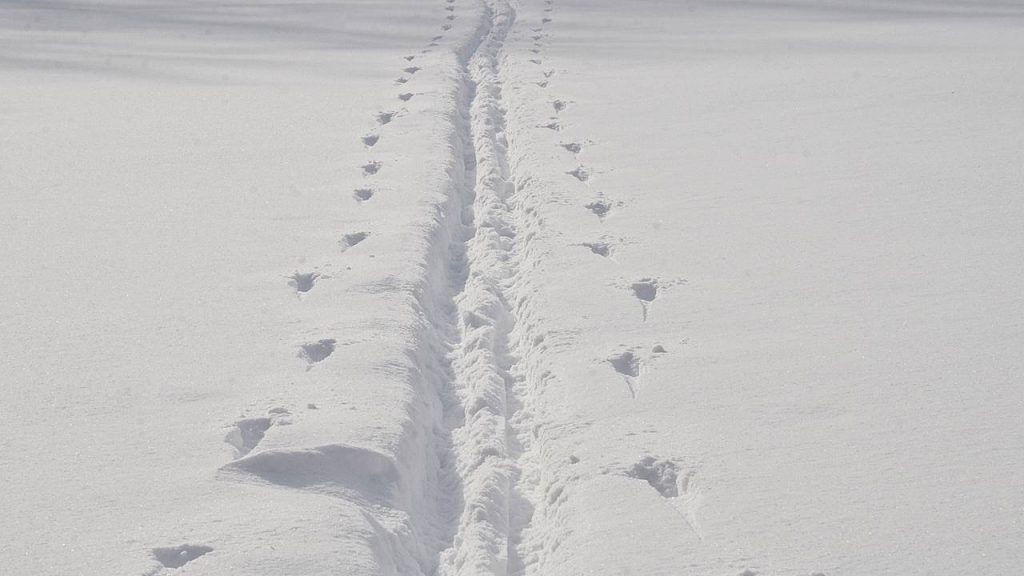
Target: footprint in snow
(247,433)
(405,97)
(386,117)
(600,208)
(645,290)
(409,58)
(349,240)
(362,194)
(628,365)
(178,556)
(303,281)
(370,139)
(580,173)
(600,248)
(573,147)
(662,475)
(412,69)
(314,352)
(371,168)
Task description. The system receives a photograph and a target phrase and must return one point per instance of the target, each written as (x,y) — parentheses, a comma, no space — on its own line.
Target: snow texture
(511,287)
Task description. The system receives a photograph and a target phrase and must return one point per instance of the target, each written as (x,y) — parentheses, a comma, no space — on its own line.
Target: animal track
(573,147)
(350,240)
(627,364)
(178,556)
(403,79)
(662,475)
(446,27)
(536,60)
(247,434)
(370,139)
(542,83)
(545,20)
(646,290)
(385,117)
(371,167)
(549,73)
(362,194)
(552,126)
(406,96)
(558,105)
(599,248)
(313,352)
(303,281)
(436,38)
(580,173)
(600,208)
(409,58)
(412,69)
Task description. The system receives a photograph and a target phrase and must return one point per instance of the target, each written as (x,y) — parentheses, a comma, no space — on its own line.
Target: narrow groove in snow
(484,358)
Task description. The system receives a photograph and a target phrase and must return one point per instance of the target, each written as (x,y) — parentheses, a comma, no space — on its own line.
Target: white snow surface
(511,287)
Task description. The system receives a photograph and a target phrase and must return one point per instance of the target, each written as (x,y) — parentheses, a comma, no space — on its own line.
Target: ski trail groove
(484,358)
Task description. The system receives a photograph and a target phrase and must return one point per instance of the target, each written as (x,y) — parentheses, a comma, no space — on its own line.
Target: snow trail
(485,358)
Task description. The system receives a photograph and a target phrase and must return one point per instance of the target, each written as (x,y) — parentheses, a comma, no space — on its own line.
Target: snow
(530,287)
